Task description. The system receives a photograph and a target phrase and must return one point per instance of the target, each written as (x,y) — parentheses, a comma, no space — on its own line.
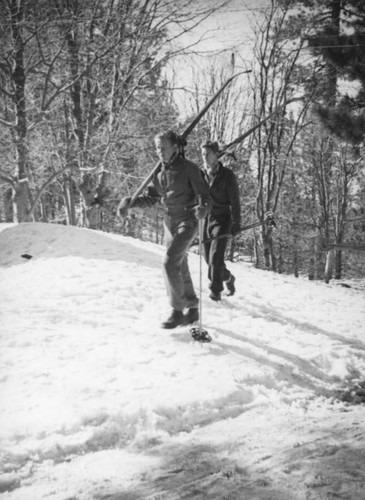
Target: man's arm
(199,186)
(150,198)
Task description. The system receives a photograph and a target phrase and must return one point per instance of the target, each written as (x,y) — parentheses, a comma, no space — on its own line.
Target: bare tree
(75,71)
(273,83)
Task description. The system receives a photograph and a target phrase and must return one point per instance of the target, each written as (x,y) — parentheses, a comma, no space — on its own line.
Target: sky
(229,27)
(212,43)
(98,402)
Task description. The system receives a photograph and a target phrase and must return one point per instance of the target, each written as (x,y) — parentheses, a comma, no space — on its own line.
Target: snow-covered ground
(99,402)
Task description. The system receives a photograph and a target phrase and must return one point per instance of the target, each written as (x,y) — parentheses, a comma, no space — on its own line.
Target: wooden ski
(183,136)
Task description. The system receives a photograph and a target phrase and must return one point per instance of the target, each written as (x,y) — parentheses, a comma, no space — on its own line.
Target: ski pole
(243,228)
(269,219)
(200,269)
(199,333)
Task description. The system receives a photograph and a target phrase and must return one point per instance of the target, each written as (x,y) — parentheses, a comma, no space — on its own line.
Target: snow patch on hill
(98,400)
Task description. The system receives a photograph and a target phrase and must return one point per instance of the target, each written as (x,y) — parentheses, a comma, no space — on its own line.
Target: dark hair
(212,145)
(170,136)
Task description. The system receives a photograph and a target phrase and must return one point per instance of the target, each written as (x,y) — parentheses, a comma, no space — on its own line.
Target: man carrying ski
(224,218)
(184,194)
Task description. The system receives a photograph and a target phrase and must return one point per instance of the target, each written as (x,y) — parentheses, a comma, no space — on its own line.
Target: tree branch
(43,187)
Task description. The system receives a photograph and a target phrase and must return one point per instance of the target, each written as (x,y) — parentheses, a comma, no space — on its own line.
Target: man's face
(165,149)
(209,158)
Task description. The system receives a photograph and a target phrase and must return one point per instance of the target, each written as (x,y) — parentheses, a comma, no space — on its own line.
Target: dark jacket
(178,186)
(224,194)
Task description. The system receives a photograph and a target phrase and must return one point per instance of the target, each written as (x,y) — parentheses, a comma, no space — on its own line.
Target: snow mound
(88,375)
(26,241)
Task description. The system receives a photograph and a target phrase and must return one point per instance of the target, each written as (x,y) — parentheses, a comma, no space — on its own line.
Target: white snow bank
(86,367)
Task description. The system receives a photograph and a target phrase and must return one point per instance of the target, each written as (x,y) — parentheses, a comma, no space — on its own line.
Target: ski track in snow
(85,367)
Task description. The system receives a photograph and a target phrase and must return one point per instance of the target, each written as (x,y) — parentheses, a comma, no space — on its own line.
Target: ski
(184,136)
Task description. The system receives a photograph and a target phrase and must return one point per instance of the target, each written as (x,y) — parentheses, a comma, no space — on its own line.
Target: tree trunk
(94,217)
(338,265)
(8,207)
(329,265)
(21,188)
(232,249)
(256,249)
(296,263)
(315,263)
(268,244)
(69,199)
(280,258)
(20,201)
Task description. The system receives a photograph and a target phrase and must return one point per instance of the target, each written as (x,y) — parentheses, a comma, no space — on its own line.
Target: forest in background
(85,86)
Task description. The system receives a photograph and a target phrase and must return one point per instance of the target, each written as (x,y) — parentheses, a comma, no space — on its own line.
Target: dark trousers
(178,235)
(214,250)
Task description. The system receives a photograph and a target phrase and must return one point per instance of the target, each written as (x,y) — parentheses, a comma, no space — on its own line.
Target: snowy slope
(97,401)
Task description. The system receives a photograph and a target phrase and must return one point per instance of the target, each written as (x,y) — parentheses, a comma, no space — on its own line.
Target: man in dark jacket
(184,194)
(224,218)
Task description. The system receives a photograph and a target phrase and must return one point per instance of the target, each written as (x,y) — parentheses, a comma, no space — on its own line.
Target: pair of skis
(183,138)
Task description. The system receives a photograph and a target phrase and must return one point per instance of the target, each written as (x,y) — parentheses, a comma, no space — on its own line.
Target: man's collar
(217,171)
(171,160)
